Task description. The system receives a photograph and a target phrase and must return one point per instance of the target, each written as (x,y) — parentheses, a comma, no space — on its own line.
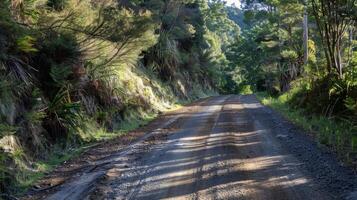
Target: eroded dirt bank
(226,147)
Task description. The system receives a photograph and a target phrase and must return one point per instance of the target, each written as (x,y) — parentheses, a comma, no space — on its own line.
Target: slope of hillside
(75,72)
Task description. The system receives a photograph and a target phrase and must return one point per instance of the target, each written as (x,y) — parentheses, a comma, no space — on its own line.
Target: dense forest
(74,72)
(303,53)
(78,71)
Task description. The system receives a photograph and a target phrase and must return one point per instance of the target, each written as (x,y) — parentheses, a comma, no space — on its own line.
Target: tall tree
(306,33)
(333,19)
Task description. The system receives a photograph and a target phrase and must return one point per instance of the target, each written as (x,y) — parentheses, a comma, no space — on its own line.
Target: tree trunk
(306,35)
(338,58)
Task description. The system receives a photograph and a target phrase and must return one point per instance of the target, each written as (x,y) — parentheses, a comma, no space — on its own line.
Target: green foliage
(6,129)
(245,89)
(57,4)
(64,110)
(316,89)
(351,104)
(6,178)
(6,92)
(270,52)
(60,74)
(74,72)
(289,55)
(350,76)
(59,48)
(26,44)
(338,135)
(35,117)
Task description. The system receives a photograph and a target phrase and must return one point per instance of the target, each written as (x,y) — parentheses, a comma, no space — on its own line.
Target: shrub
(57,4)
(245,89)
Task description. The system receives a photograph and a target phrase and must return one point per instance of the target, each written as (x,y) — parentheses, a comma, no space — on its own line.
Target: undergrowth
(93,133)
(28,175)
(75,72)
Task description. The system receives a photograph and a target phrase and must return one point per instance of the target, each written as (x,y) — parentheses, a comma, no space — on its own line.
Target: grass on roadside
(59,155)
(28,178)
(97,134)
(337,135)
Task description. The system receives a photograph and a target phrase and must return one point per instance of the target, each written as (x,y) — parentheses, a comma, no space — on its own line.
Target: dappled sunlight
(233,107)
(219,170)
(222,155)
(193,138)
(286,181)
(253,105)
(250,134)
(260,163)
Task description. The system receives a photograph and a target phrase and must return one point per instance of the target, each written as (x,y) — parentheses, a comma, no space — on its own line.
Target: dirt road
(227,147)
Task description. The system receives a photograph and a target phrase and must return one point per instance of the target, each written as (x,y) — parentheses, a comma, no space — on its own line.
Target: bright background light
(236,2)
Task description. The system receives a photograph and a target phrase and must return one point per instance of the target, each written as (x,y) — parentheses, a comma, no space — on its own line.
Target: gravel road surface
(224,147)
(230,147)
